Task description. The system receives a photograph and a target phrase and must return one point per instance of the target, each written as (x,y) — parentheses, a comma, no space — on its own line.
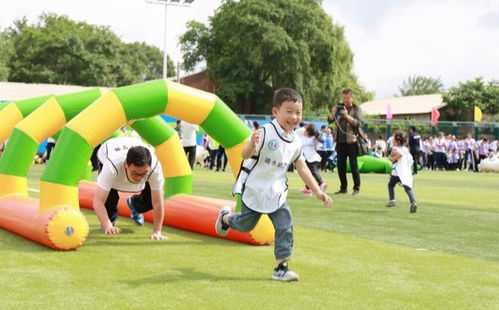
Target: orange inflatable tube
(192,213)
(62,228)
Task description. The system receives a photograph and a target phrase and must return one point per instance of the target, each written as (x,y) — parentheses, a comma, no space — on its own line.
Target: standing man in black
(414,147)
(347,118)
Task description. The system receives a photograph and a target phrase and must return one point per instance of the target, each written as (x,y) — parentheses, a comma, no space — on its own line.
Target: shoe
(355,192)
(306,192)
(414,207)
(135,215)
(341,191)
(323,187)
(282,273)
(390,204)
(220,227)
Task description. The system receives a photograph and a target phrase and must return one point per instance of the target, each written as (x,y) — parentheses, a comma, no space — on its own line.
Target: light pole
(166,3)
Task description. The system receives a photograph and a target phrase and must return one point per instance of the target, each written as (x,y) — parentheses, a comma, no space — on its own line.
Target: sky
(454,40)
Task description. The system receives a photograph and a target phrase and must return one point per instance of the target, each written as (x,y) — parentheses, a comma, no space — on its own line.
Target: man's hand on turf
(112,230)
(156,235)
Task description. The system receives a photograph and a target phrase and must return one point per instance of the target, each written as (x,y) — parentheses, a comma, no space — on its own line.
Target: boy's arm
(250,147)
(307,177)
(248,150)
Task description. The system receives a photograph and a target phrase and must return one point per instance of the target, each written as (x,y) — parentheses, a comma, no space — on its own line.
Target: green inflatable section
(368,164)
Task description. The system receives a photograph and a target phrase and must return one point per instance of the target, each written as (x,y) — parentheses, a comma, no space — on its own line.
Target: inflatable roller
(62,228)
(192,213)
(368,164)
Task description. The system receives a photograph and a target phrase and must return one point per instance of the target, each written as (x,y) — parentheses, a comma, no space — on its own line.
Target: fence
(375,127)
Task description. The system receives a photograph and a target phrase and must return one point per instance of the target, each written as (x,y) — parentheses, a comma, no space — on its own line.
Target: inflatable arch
(27,132)
(57,223)
(12,113)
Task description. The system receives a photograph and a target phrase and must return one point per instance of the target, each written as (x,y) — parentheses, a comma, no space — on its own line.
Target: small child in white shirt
(401,173)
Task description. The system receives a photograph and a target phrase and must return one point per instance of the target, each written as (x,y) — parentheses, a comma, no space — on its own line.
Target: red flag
(389,114)
(434,116)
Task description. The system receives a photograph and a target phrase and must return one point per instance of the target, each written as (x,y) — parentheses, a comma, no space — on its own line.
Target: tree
(462,99)
(256,46)
(141,62)
(6,52)
(61,51)
(421,85)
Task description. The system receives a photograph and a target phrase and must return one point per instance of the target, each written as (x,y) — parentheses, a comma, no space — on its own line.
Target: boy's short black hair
(285,94)
(400,136)
(138,156)
(412,128)
(347,91)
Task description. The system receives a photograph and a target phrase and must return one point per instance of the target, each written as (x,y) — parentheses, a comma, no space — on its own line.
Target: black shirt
(414,141)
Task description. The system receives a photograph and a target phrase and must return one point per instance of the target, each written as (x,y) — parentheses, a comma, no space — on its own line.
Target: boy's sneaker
(220,227)
(390,204)
(135,216)
(282,273)
(414,207)
(306,192)
(355,192)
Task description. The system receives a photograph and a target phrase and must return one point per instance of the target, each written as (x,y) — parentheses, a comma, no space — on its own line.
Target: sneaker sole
(218,227)
(284,280)
(132,210)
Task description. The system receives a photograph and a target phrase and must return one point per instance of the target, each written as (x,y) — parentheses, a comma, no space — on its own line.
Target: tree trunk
(246,106)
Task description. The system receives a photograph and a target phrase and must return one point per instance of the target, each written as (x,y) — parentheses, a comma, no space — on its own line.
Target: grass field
(355,255)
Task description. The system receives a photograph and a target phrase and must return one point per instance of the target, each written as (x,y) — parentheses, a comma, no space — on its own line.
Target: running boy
(262,181)
(401,173)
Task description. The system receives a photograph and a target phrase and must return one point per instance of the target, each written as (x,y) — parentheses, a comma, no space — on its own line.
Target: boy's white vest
(262,180)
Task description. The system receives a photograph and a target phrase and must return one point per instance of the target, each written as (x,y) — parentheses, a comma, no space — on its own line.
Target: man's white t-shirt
(262,181)
(112,155)
(189,133)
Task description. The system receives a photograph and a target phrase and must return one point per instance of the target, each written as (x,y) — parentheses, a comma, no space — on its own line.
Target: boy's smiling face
(288,115)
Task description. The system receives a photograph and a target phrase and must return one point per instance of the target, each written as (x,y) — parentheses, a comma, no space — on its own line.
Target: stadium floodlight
(166,3)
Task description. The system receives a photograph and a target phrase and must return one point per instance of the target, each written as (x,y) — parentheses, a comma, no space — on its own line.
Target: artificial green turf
(357,254)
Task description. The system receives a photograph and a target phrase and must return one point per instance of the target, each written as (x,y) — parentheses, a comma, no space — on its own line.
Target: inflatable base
(192,213)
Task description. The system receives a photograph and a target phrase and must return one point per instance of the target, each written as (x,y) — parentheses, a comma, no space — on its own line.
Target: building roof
(16,91)
(404,105)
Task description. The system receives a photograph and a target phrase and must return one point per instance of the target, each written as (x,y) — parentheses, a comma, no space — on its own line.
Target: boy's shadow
(187,274)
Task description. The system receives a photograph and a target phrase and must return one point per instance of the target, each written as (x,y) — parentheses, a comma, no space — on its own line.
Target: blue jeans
(391,184)
(283,225)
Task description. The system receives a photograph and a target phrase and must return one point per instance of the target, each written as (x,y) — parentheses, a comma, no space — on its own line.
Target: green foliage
(462,99)
(6,52)
(421,85)
(256,46)
(61,51)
